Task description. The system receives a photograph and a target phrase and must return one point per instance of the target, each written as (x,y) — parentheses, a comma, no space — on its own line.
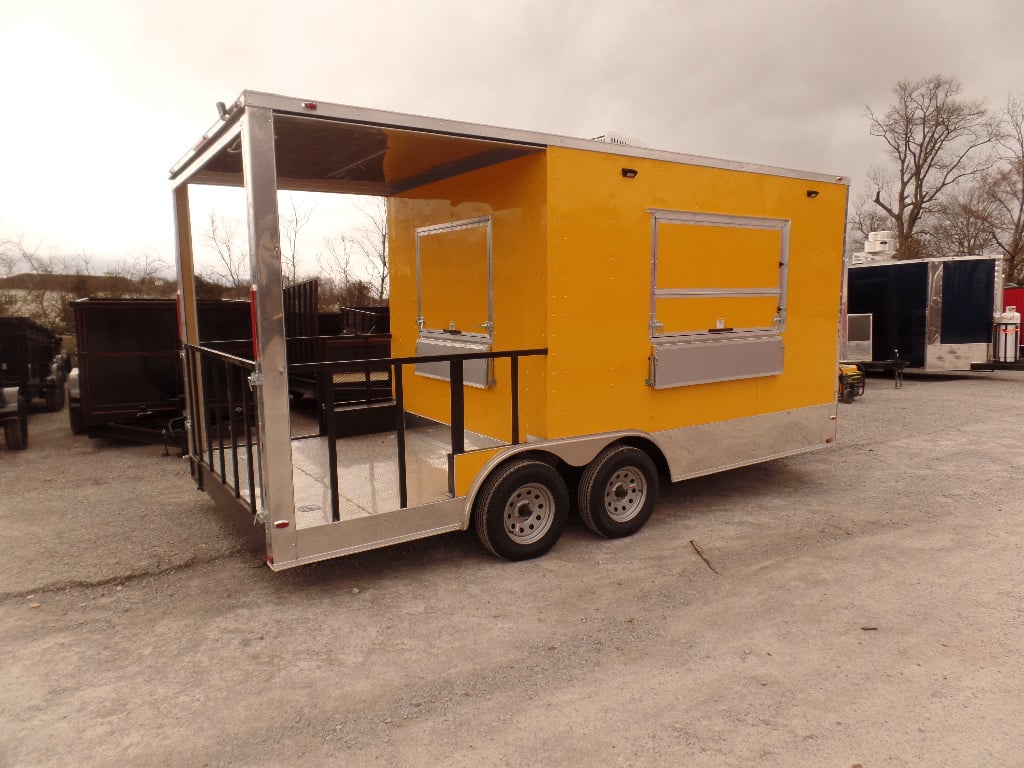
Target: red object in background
(252,311)
(1013,297)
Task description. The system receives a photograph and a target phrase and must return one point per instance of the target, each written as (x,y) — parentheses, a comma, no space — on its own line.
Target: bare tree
(1004,187)
(335,267)
(141,274)
(42,296)
(9,260)
(865,216)
(367,245)
(936,140)
(232,264)
(961,224)
(292,223)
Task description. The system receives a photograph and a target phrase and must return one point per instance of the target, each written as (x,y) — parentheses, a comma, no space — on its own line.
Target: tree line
(954,181)
(41,285)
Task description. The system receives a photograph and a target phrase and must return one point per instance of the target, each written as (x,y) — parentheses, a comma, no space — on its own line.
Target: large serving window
(718,296)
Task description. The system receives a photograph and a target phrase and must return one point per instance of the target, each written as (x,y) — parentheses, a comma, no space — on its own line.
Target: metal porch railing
(325,373)
(224,413)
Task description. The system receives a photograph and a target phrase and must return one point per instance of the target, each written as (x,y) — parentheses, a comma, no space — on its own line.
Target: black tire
(521,510)
(618,491)
(77,418)
(16,431)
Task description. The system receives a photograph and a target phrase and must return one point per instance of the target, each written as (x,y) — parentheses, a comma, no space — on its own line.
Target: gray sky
(101,97)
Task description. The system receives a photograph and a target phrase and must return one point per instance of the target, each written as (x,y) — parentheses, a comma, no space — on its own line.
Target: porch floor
(367,470)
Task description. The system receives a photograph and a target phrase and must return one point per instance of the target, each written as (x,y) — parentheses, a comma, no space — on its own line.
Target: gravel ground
(866,607)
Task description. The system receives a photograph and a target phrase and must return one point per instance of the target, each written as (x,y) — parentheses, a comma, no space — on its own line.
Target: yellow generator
(571,321)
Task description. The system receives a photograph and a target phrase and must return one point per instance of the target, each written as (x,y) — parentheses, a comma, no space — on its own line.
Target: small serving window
(455,296)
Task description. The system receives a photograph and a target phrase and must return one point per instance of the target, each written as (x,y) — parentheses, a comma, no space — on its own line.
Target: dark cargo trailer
(926,314)
(129,383)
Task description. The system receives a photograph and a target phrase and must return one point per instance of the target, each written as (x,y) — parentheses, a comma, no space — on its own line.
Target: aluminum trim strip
(718,219)
(187,169)
(454,226)
(274,442)
(724,293)
(708,448)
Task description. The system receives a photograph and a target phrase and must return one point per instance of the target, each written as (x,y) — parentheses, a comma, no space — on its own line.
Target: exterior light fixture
(629,173)
(812,193)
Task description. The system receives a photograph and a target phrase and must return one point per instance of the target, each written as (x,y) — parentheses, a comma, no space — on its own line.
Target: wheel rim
(625,494)
(529,513)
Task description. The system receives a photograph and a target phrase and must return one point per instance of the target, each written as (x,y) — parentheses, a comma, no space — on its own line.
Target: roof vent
(614,138)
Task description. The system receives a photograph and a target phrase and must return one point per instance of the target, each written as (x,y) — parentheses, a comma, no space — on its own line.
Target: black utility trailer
(31,360)
(129,383)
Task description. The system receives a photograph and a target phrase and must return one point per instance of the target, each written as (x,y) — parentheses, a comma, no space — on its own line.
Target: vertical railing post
(216,415)
(325,399)
(514,360)
(403,493)
(456,376)
(229,381)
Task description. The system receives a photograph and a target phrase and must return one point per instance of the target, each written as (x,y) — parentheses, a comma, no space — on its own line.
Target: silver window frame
(454,226)
(698,218)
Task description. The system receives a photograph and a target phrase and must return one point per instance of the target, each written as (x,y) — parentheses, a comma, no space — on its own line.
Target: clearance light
(280,523)
(310,105)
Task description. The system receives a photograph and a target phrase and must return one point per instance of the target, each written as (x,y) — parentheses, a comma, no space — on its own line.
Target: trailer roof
(931,260)
(324,147)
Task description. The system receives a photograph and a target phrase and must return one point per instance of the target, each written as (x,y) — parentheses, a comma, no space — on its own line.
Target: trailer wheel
(77,418)
(617,491)
(521,510)
(16,431)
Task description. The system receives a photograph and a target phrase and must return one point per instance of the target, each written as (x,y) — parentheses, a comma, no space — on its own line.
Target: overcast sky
(102,97)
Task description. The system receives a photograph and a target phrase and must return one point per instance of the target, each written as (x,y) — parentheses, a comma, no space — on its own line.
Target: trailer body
(32,361)
(1013,297)
(128,383)
(567,317)
(924,314)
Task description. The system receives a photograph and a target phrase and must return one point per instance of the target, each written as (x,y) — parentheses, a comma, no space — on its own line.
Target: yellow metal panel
(699,256)
(468,466)
(453,278)
(514,195)
(599,246)
(689,315)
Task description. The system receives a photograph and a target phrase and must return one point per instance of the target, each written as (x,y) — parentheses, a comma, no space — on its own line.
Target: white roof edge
(390,119)
(890,262)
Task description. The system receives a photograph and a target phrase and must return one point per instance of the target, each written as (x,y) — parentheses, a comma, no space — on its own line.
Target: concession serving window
(718,297)
(455,296)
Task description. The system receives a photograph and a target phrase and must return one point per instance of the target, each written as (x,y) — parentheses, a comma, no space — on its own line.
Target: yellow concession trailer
(572,323)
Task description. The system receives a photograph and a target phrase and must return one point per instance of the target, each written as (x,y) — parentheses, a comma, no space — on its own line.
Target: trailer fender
(568,456)
(9,401)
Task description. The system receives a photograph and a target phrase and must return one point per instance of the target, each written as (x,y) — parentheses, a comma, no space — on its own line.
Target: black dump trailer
(924,314)
(31,360)
(129,382)
(361,399)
